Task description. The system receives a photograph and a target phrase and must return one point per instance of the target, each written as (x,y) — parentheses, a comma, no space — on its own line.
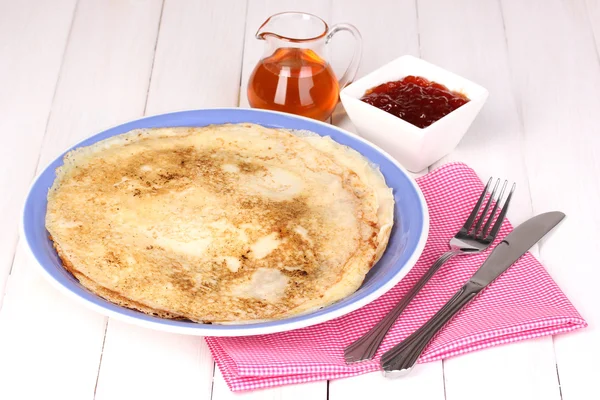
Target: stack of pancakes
(226,223)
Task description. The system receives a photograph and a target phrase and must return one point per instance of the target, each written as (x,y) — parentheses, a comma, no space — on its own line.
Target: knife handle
(402,357)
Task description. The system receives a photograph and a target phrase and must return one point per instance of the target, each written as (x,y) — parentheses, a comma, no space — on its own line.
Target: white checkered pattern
(523,303)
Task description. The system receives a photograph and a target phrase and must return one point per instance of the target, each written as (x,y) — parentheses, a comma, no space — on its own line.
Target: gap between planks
(162,9)
(107,320)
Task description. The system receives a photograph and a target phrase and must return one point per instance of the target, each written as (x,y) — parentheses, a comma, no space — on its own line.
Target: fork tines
(484,233)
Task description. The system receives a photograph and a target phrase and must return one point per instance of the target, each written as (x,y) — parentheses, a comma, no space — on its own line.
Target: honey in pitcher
(296,81)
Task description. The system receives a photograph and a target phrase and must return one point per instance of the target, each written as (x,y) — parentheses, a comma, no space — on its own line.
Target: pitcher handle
(352,69)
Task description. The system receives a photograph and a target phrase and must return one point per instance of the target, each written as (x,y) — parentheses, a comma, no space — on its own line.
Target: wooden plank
(522,370)
(394,34)
(106,71)
(49,345)
(424,382)
(388,29)
(311,390)
(32,34)
(476,49)
(178,366)
(556,75)
(593,12)
(198,56)
(47,338)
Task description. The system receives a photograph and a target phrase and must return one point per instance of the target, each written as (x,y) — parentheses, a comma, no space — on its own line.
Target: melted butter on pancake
(222,223)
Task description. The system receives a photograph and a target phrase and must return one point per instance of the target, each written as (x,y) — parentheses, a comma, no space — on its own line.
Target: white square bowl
(415,148)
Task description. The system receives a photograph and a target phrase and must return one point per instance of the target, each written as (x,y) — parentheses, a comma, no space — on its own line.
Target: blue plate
(411,223)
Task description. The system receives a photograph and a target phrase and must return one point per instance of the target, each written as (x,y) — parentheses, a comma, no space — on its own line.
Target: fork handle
(402,357)
(366,346)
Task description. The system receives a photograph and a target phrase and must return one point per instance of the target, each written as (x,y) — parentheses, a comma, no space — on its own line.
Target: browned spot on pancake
(251,168)
(182,281)
(112,259)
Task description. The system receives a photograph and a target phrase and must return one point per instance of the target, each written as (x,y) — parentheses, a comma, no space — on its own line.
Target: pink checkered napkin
(522,303)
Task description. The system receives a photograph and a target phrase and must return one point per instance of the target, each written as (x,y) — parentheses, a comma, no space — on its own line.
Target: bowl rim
(407,126)
(227,330)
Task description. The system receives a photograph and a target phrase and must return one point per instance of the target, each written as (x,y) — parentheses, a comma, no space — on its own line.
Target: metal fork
(470,239)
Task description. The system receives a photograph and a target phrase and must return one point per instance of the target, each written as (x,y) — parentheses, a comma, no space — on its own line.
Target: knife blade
(401,358)
(514,245)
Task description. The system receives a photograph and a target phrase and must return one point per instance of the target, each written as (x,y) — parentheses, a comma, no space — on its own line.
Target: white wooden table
(70,68)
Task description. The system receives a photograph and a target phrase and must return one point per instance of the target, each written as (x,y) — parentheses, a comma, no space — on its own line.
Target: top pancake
(225,224)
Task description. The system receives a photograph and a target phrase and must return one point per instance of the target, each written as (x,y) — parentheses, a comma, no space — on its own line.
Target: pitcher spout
(266,30)
(293,27)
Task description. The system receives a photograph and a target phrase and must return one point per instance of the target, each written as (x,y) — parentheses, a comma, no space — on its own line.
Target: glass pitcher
(294,74)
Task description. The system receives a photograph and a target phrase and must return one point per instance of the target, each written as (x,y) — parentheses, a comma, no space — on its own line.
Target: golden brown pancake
(225,224)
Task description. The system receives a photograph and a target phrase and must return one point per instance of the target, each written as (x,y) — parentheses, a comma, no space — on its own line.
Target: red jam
(415,99)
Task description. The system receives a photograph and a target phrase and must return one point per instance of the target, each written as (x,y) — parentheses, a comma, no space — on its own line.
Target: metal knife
(399,360)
